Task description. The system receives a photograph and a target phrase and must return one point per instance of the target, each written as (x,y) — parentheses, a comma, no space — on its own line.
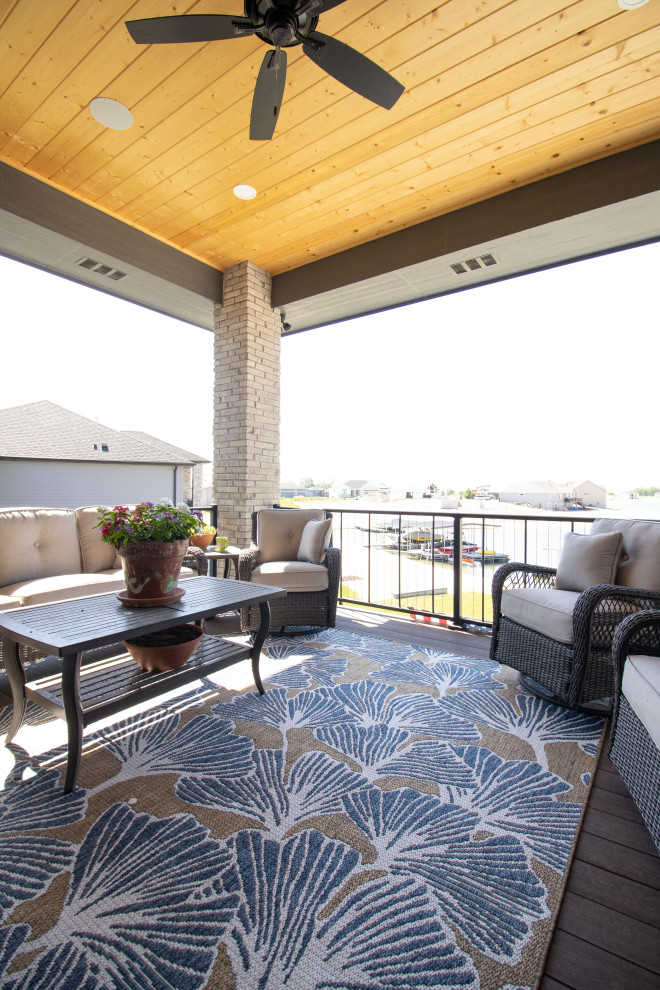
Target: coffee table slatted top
(73,626)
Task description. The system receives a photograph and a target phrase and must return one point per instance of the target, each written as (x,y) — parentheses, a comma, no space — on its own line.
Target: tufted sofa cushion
(279,532)
(639,563)
(37,543)
(96,555)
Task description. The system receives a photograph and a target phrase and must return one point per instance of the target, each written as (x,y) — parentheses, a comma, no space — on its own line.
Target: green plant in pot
(152,540)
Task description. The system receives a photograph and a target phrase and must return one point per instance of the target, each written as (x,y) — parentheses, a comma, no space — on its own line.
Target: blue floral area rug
(384,818)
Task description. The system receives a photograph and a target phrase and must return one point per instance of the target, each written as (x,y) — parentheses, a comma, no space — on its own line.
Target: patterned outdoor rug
(384,817)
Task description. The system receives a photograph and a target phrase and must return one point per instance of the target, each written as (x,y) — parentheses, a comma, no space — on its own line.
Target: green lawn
(444,604)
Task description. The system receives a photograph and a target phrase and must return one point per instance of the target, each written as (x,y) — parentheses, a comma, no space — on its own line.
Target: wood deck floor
(607,935)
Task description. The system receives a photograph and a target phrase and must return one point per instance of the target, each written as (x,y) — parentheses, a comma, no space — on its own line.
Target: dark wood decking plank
(547,983)
(635,941)
(578,965)
(617,804)
(610,780)
(632,864)
(631,834)
(636,900)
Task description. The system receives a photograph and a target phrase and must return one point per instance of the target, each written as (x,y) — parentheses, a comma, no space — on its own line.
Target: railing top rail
(454,513)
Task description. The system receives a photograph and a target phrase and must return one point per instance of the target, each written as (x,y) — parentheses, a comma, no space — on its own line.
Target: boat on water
(475,555)
(487,557)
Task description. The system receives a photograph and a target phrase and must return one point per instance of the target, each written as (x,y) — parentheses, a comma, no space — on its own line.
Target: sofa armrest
(7,602)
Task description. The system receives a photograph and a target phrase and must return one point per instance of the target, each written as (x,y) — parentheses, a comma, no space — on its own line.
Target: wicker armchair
(312,588)
(567,657)
(634,745)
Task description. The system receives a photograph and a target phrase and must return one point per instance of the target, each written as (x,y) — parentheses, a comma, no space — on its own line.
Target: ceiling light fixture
(242,191)
(631,4)
(111,113)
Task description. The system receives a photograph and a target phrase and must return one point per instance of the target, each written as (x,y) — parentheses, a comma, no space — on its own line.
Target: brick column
(246,419)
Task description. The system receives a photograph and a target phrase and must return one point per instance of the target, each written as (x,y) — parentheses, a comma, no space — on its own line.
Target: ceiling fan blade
(353,69)
(268,94)
(189,27)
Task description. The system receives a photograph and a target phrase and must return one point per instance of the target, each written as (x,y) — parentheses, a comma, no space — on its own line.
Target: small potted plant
(152,540)
(204,537)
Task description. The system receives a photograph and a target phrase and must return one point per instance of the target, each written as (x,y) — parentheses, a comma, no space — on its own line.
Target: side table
(230,556)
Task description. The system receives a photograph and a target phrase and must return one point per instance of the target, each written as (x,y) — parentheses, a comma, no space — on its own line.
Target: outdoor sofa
(50,555)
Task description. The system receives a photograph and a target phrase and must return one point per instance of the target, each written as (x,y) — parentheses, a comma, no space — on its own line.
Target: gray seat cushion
(292,575)
(544,610)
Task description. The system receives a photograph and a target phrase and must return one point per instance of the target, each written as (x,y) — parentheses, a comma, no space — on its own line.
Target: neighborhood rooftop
(46,431)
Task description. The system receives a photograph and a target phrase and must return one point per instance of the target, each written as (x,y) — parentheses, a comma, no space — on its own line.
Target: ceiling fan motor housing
(279,23)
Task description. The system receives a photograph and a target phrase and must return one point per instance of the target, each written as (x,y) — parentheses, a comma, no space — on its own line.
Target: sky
(550,376)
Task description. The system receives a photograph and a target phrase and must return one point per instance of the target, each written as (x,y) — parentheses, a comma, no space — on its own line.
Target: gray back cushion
(639,563)
(588,559)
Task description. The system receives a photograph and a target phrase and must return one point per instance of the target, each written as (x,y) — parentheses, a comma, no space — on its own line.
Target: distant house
(359,488)
(588,494)
(52,457)
(551,495)
(289,489)
(539,494)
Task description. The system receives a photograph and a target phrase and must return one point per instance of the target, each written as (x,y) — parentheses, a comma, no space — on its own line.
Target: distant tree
(450,491)
(647,491)
(307,482)
(468,493)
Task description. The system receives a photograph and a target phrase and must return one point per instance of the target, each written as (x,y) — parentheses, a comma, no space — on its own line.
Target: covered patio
(527,136)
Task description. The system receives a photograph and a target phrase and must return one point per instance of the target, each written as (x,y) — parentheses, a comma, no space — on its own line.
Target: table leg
(16,676)
(225,571)
(74,717)
(259,641)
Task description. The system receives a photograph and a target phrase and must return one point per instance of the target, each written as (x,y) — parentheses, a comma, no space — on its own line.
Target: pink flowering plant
(160,522)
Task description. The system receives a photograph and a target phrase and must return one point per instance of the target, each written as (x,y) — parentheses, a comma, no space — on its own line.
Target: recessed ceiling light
(111,113)
(242,191)
(631,4)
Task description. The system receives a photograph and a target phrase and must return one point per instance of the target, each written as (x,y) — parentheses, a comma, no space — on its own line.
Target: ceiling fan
(282,24)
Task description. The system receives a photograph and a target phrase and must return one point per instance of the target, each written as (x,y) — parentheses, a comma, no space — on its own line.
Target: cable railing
(440,565)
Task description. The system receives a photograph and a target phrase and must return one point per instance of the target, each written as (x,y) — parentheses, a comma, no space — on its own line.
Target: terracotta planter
(151,572)
(165,650)
(202,540)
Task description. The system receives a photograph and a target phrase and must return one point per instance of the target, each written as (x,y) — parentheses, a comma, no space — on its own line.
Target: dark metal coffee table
(84,692)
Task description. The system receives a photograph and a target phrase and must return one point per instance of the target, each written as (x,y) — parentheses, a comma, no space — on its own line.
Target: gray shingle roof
(46,431)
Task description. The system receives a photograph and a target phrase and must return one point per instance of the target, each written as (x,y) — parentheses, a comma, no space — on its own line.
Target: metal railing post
(458,570)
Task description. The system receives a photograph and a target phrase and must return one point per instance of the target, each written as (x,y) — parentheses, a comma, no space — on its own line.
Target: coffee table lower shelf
(110,686)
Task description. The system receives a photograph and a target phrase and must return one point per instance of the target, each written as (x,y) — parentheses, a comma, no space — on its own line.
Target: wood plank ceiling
(498,94)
